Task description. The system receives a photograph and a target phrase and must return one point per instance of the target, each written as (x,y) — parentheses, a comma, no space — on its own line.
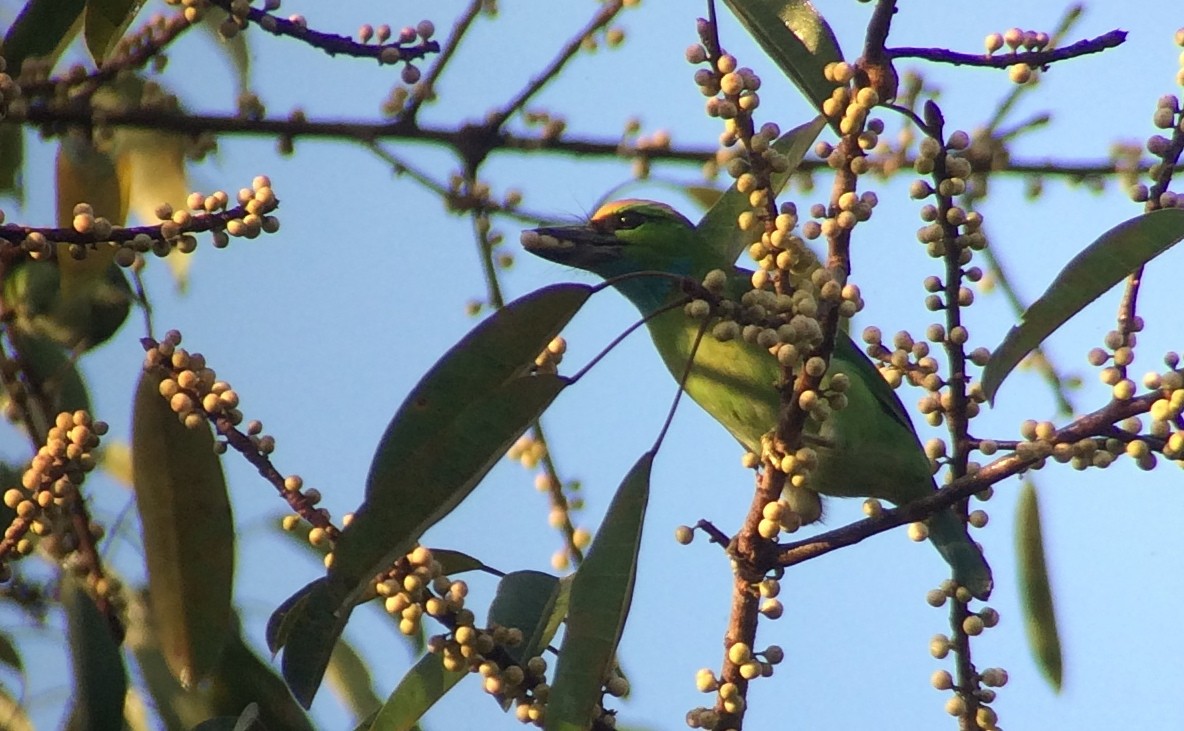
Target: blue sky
(324,327)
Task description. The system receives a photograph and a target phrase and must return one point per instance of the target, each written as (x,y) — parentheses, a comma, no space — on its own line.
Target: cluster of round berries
(910,359)
(49,486)
(940,647)
(1168,117)
(417,586)
(1018,41)
(192,388)
(752,665)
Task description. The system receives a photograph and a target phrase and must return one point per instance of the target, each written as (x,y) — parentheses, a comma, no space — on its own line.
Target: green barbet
(868,448)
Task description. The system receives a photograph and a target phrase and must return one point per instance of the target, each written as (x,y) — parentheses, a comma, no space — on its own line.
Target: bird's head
(621,237)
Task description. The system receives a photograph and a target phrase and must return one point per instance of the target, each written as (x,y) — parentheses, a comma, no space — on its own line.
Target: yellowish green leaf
(1089,275)
(719,224)
(1040,619)
(104,24)
(100,680)
(420,688)
(188,534)
(601,593)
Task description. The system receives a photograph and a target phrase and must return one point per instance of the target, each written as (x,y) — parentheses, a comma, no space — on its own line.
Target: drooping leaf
(456,562)
(85,174)
(248,720)
(100,680)
(601,593)
(240,678)
(188,533)
(451,429)
(9,655)
(12,161)
(420,688)
(349,679)
(12,713)
(51,372)
(413,496)
(115,458)
(104,24)
(44,28)
(1040,618)
(796,37)
(1089,275)
(719,224)
(525,600)
(236,47)
(498,350)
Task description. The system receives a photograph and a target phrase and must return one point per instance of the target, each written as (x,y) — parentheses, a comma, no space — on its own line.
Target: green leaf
(526,600)
(420,688)
(240,679)
(51,372)
(349,679)
(105,23)
(1040,618)
(10,656)
(279,624)
(414,495)
(535,603)
(498,350)
(44,28)
(12,713)
(100,680)
(188,533)
(12,161)
(236,47)
(450,430)
(1089,275)
(601,593)
(796,37)
(456,562)
(719,224)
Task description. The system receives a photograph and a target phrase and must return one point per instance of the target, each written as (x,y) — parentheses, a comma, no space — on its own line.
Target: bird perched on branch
(866,448)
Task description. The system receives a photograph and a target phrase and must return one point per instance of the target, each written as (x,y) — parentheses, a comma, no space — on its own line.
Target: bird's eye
(628,220)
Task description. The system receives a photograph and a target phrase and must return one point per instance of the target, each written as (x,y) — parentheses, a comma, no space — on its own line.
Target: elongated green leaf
(349,679)
(52,372)
(100,680)
(12,713)
(420,688)
(9,655)
(1040,618)
(796,37)
(499,349)
(601,593)
(719,223)
(451,429)
(1089,275)
(44,28)
(104,24)
(188,533)
(240,679)
(456,562)
(12,162)
(235,48)
(413,495)
(527,601)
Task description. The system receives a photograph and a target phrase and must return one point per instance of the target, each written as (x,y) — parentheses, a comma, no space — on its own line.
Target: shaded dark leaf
(601,593)
(1040,618)
(1089,275)
(188,533)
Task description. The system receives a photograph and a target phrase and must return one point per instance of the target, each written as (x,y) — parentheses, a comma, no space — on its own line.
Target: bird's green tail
(952,540)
